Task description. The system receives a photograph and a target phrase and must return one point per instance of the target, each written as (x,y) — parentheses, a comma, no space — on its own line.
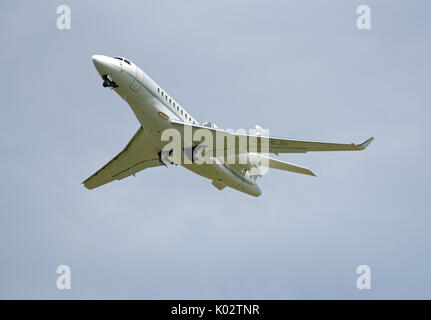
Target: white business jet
(157,111)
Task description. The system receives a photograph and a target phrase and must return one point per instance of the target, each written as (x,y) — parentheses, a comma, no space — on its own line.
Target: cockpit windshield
(123,59)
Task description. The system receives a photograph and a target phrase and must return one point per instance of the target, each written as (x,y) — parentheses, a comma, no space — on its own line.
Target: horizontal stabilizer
(280,165)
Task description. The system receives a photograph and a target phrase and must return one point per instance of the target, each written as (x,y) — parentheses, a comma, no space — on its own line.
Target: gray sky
(300,68)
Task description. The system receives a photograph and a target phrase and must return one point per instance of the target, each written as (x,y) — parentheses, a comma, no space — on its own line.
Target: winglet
(365,144)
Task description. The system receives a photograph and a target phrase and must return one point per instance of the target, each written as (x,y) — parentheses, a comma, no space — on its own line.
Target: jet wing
(136,156)
(267,144)
(279,145)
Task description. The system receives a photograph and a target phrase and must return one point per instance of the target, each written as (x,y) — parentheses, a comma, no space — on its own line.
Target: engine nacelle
(247,160)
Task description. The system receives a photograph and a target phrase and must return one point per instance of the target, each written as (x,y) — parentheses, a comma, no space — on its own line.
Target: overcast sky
(300,68)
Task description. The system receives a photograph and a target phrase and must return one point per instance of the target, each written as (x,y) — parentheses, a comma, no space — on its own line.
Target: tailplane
(278,164)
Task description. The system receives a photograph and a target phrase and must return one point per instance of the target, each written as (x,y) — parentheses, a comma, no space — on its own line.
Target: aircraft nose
(101,63)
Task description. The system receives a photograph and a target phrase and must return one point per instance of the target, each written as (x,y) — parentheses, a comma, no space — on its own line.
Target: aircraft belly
(205,170)
(221,174)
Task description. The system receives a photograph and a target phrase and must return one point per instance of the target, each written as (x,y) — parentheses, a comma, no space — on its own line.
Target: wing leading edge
(137,155)
(275,145)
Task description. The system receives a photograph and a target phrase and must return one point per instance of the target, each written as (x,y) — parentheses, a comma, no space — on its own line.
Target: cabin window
(158,90)
(162,94)
(181,111)
(174,104)
(170,101)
